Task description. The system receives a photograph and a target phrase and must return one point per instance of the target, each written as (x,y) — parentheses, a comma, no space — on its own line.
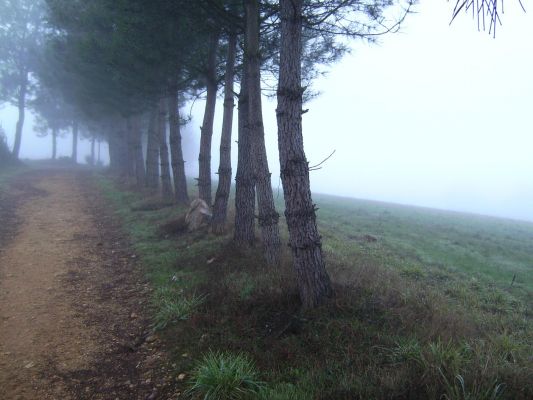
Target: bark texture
(54,144)
(118,148)
(220,208)
(305,241)
(244,180)
(75,131)
(21,104)
(93,153)
(130,141)
(181,195)
(268,216)
(204,159)
(152,153)
(166,184)
(112,147)
(137,150)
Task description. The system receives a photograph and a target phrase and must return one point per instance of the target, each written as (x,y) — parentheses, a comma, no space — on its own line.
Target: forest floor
(72,299)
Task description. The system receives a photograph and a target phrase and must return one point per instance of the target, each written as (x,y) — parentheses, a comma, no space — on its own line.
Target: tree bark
(204,159)
(22,114)
(118,148)
(220,208)
(99,161)
(75,130)
(123,152)
(54,143)
(112,153)
(130,142)
(152,153)
(176,152)
(137,150)
(305,241)
(93,155)
(244,179)
(268,216)
(163,151)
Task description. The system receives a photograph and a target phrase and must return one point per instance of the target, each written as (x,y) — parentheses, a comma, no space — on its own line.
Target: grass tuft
(173,305)
(225,376)
(458,390)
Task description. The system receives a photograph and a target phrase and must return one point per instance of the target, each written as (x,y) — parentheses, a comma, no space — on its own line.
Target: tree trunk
(130,142)
(163,152)
(176,152)
(93,143)
(220,207)
(118,148)
(137,151)
(75,142)
(305,241)
(120,134)
(244,179)
(54,143)
(204,159)
(112,153)
(22,114)
(268,216)
(152,153)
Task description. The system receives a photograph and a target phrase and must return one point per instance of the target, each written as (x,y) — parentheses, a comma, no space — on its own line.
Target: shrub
(225,376)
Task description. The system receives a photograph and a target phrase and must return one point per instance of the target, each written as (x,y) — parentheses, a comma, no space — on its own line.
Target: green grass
(490,249)
(425,307)
(225,376)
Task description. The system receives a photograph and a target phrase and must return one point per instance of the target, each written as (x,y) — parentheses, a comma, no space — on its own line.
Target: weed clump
(173,305)
(461,391)
(223,375)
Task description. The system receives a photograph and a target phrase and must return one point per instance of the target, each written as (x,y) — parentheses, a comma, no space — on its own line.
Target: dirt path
(71,302)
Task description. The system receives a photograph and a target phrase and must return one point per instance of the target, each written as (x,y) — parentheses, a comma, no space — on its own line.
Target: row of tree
(122,69)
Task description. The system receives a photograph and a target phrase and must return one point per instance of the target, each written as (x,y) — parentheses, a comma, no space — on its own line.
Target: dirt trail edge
(71,299)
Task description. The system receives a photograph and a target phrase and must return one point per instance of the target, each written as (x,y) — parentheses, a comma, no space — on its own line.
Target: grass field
(488,249)
(429,304)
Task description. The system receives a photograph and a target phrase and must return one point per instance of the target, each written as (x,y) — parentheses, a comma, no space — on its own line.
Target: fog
(38,148)
(436,116)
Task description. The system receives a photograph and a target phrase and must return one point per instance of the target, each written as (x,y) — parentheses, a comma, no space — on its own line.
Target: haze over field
(436,116)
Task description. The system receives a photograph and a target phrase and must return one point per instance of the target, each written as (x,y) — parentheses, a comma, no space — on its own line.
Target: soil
(73,302)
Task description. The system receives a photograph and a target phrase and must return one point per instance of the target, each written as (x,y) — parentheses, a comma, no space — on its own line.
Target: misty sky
(438,116)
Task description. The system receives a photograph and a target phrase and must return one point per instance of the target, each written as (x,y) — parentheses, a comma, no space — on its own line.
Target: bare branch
(482,9)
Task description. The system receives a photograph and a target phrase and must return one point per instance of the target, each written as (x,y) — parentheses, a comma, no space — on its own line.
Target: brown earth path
(71,299)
